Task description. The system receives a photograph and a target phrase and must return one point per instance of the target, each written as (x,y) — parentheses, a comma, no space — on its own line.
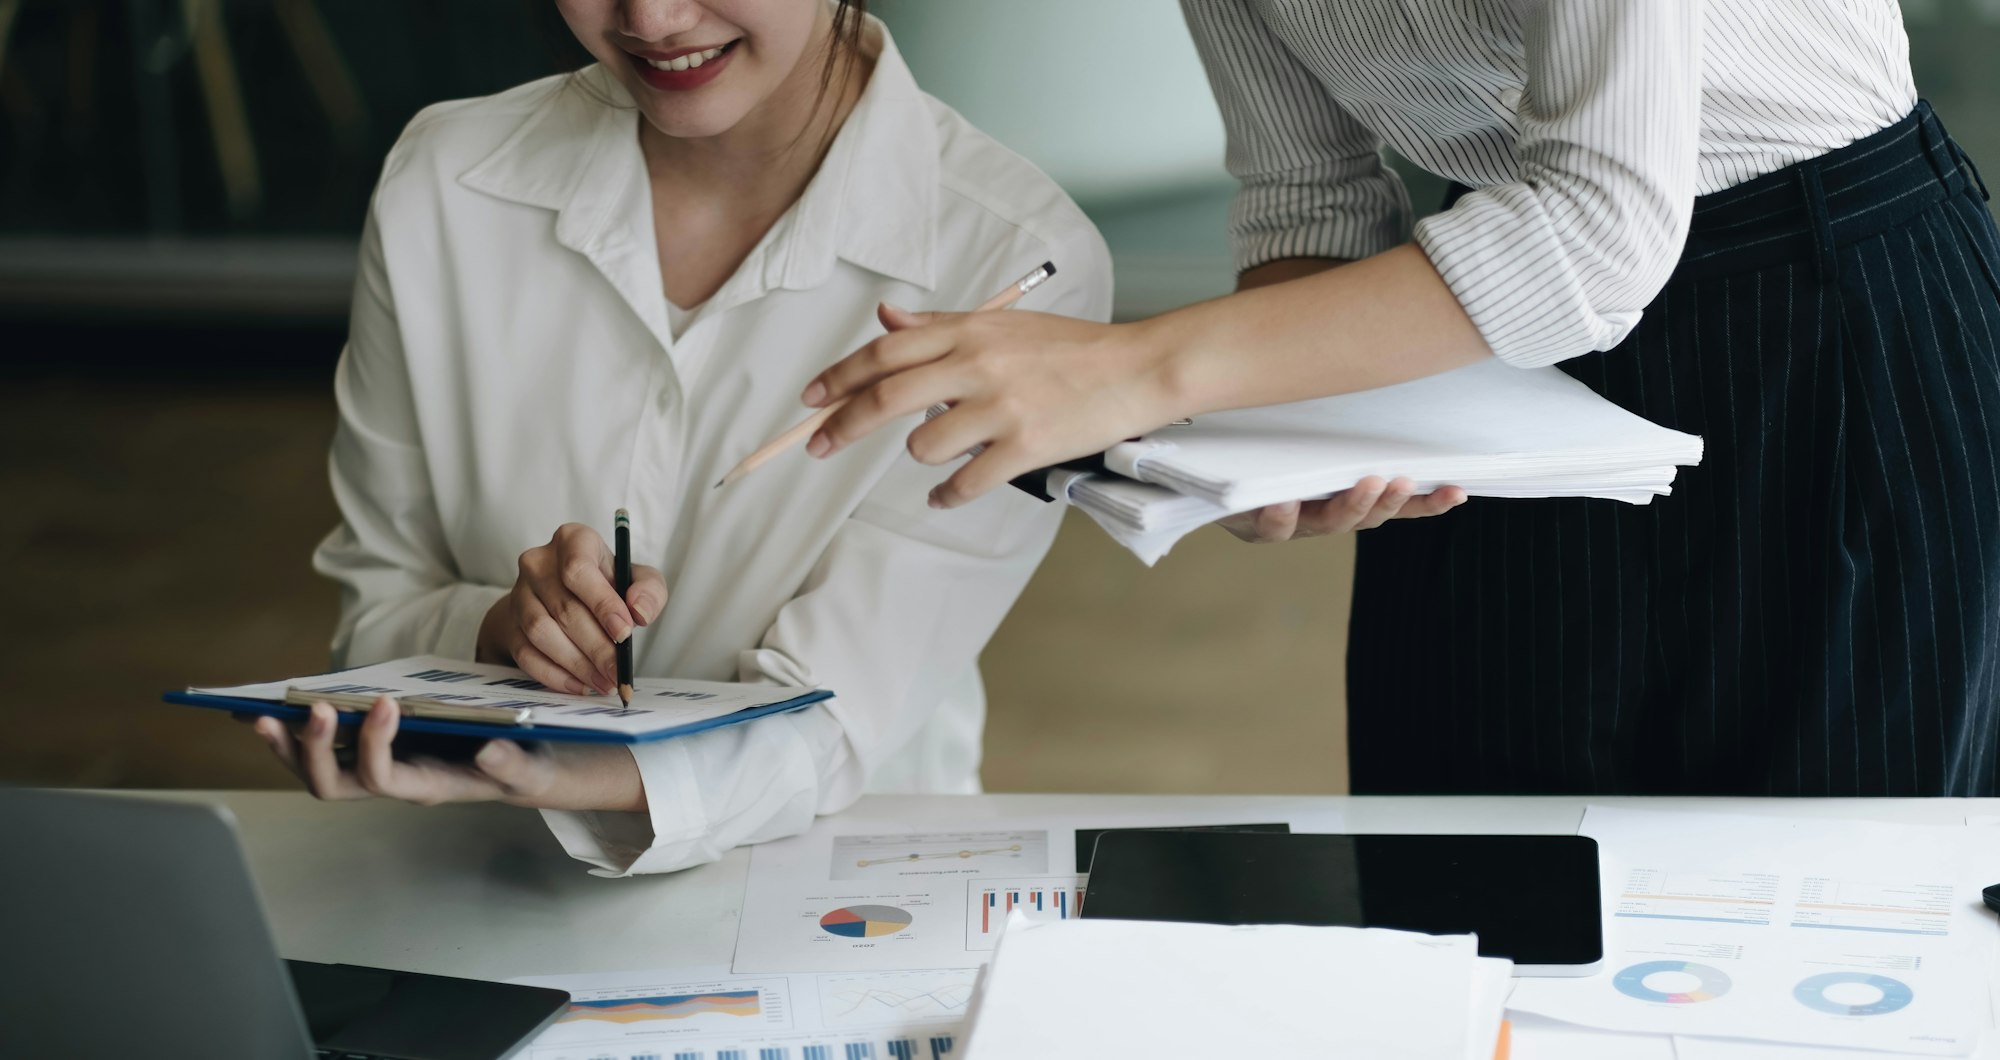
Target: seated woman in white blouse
(604,290)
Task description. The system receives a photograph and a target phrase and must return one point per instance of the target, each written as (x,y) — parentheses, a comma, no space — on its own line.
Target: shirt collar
(872,202)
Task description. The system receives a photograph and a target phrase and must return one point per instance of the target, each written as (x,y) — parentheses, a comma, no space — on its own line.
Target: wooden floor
(154,536)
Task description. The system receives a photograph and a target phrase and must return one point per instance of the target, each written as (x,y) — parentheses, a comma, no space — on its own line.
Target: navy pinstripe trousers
(1816,609)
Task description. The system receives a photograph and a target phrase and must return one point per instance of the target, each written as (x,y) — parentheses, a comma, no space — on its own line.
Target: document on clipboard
(456,697)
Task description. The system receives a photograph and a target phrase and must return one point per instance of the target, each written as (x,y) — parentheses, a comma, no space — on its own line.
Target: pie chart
(865,921)
(1687,983)
(1853,993)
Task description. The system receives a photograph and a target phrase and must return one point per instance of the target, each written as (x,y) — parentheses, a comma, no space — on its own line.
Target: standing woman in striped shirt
(1732,217)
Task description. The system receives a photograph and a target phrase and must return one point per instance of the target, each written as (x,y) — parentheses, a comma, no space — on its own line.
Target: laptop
(129,927)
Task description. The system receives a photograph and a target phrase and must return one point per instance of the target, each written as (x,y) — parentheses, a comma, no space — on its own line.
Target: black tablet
(1530,898)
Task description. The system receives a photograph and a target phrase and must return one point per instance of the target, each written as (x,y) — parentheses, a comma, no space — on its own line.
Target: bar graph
(1044,898)
(898,1047)
(995,905)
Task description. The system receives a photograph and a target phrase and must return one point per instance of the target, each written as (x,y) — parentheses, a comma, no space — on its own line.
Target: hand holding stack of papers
(1491,428)
(1080,989)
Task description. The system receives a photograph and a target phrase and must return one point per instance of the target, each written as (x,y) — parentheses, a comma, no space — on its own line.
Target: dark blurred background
(180,188)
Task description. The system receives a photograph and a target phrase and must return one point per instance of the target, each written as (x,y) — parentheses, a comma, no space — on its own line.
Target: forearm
(1285,269)
(593,777)
(1306,329)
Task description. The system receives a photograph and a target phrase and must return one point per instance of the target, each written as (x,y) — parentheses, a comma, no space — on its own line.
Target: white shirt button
(1511,99)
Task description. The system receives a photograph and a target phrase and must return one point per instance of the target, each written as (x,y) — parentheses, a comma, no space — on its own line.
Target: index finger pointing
(896,318)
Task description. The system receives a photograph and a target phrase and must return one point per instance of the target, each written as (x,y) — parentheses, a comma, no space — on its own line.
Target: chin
(695,121)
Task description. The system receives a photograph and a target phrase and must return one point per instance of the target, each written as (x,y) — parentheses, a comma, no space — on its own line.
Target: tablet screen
(1086,838)
(1530,898)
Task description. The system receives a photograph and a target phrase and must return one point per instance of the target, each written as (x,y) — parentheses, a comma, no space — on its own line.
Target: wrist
(589,777)
(1189,371)
(487,646)
(623,786)
(1172,370)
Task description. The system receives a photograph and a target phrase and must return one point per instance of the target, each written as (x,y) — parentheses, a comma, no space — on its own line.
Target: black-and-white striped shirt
(1587,126)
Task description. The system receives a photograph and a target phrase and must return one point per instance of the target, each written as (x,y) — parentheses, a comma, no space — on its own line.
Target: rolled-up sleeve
(1562,261)
(1311,180)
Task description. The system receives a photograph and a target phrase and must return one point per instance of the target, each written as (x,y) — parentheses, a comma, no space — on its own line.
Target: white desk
(484,891)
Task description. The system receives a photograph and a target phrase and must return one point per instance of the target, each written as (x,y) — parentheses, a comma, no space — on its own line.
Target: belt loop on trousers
(1937,147)
(1825,263)
(1960,161)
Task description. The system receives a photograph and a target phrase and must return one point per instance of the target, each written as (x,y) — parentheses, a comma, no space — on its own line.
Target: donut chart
(1712,983)
(1812,993)
(865,921)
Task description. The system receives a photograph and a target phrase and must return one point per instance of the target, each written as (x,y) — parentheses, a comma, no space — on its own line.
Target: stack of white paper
(1493,429)
(1096,988)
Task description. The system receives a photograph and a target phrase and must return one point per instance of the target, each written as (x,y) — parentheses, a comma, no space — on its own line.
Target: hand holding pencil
(569,612)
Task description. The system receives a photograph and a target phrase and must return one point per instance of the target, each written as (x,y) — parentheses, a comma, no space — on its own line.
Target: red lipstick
(682,80)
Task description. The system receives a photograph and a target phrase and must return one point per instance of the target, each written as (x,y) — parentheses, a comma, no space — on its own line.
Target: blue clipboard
(552,733)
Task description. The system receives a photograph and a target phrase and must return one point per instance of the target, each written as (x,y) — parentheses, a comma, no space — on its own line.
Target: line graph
(877,998)
(941,853)
(1013,849)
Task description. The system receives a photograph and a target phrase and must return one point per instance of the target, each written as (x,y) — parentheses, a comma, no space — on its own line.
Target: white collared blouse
(1587,127)
(510,367)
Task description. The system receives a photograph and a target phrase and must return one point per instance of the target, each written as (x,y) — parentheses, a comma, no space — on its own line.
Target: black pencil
(621,579)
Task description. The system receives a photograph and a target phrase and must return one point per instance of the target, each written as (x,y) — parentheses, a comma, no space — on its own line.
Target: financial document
(855,895)
(657,703)
(1811,932)
(710,1014)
